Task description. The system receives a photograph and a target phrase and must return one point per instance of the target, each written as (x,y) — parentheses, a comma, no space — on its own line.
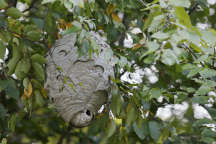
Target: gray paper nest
(78,86)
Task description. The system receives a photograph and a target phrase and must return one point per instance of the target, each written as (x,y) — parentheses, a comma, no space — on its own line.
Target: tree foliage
(171,40)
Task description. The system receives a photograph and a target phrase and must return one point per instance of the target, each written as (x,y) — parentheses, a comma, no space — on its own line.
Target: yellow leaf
(44,92)
(62,24)
(28,92)
(68,25)
(128,107)
(16,35)
(110,8)
(116,17)
(136,46)
(118,121)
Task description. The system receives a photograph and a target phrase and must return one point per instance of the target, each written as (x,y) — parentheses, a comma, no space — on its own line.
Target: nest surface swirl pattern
(78,86)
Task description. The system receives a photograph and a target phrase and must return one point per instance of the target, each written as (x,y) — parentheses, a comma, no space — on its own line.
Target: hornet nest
(79,86)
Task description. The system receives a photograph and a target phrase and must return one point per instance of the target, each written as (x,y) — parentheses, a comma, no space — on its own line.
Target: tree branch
(31,6)
(193,8)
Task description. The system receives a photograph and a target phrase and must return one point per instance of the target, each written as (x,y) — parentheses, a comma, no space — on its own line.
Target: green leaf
(13,62)
(207,140)
(154,12)
(160,35)
(39,59)
(34,35)
(169,57)
(152,47)
(14,13)
(10,88)
(111,128)
(3,4)
(72,29)
(12,92)
(84,49)
(39,71)
(22,68)
(209,37)
(76,26)
(206,87)
(200,99)
(194,71)
(157,23)
(131,115)
(183,17)
(48,1)
(116,101)
(2,50)
(11,122)
(154,129)
(155,93)
(38,98)
(3,84)
(26,83)
(208,73)
(179,3)
(4,141)
(208,133)
(3,112)
(141,129)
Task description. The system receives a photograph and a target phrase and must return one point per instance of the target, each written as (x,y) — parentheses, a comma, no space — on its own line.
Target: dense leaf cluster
(170,39)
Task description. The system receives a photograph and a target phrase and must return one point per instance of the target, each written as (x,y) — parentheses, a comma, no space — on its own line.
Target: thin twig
(214,57)
(192,53)
(45,21)
(193,8)
(31,6)
(143,3)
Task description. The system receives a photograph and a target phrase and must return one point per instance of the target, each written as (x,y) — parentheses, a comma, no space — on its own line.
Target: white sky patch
(211,2)
(178,110)
(164,114)
(5,56)
(160,99)
(120,15)
(136,31)
(21,6)
(133,77)
(202,25)
(136,76)
(212,93)
(150,74)
(153,79)
(128,41)
(101,109)
(211,11)
(200,112)
(14,76)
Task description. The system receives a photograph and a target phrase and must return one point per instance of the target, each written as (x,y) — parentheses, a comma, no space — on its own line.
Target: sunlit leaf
(110,8)
(111,128)
(155,93)
(160,35)
(141,129)
(2,50)
(183,17)
(116,17)
(168,57)
(3,4)
(39,59)
(14,12)
(11,122)
(154,129)
(39,71)
(181,3)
